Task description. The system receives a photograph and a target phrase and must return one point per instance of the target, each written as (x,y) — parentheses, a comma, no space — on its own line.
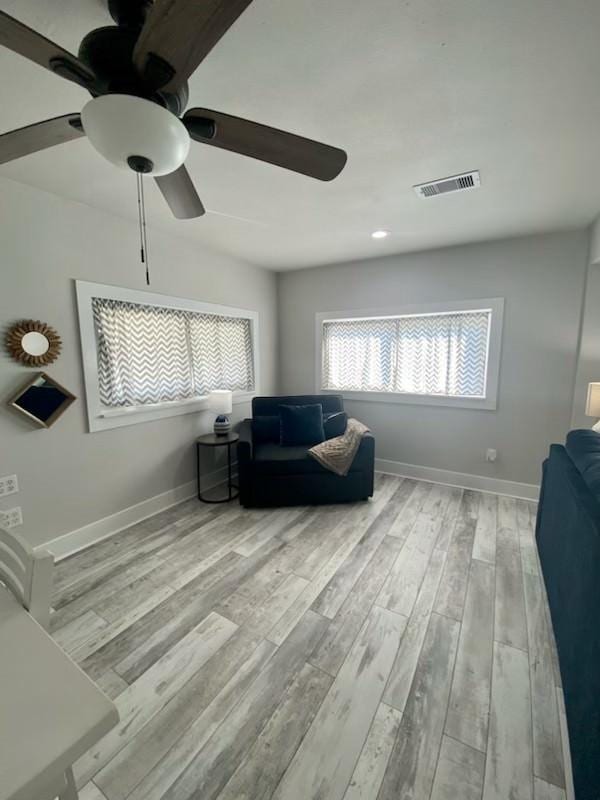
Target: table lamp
(221,402)
(592,406)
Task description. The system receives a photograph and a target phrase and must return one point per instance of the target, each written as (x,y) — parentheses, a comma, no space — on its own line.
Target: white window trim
(489,402)
(100,417)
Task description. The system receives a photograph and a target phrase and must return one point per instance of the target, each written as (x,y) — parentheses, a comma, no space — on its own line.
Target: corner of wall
(588,348)
(595,241)
(279,334)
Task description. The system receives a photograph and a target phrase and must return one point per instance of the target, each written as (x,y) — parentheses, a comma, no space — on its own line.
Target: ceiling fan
(136,72)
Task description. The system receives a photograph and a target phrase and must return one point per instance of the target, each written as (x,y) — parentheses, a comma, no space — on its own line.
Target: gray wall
(70,477)
(542,281)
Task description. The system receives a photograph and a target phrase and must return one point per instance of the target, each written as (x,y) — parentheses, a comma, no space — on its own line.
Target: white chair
(36,757)
(28,575)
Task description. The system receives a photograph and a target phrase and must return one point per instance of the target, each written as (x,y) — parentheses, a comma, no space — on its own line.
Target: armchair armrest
(365,455)
(244,447)
(244,458)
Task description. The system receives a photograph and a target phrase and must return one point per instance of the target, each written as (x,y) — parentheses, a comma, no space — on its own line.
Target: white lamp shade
(120,126)
(592,406)
(220,401)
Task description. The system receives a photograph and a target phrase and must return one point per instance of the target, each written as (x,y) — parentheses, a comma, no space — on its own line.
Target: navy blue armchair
(271,474)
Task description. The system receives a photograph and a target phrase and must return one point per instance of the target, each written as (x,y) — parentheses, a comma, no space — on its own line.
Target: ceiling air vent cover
(455,183)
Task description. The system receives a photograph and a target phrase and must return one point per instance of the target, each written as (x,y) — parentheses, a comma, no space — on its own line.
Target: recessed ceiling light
(379,234)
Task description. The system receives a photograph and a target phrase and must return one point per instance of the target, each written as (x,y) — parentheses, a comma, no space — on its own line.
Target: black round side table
(216,440)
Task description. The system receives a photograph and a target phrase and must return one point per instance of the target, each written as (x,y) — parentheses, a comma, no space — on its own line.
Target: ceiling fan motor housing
(129,13)
(134,133)
(108,52)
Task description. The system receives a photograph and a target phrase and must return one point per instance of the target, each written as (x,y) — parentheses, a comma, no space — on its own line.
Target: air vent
(455,183)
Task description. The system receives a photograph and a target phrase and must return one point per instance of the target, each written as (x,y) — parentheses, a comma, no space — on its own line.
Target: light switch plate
(11,517)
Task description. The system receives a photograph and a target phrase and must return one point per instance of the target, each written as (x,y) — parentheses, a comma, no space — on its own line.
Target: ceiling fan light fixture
(128,130)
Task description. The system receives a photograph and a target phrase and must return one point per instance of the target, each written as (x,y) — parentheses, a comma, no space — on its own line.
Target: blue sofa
(568,538)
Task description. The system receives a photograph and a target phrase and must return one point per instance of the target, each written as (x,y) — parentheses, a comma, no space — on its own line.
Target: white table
(50,711)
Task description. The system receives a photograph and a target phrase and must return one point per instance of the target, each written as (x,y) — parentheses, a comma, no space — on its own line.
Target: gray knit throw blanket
(337,454)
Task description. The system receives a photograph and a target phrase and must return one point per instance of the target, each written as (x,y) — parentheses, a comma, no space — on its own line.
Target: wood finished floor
(393,649)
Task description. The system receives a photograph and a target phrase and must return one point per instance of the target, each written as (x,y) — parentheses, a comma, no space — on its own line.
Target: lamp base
(222,425)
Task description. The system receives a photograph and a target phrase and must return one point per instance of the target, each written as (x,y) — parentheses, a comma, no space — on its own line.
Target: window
(442,355)
(153,354)
(147,356)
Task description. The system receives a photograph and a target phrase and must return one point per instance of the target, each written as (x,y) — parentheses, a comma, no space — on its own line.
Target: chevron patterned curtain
(151,354)
(429,354)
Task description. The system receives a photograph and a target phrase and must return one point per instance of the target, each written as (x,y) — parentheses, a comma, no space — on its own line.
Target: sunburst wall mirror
(33,343)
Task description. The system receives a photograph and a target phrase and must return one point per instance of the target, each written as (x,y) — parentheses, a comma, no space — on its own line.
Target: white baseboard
(72,542)
(525,491)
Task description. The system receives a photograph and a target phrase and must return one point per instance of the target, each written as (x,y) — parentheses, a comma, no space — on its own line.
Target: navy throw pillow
(335,424)
(301,424)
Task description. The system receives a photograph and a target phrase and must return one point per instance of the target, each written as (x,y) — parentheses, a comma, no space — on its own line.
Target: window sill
(482,403)
(107,418)
(193,404)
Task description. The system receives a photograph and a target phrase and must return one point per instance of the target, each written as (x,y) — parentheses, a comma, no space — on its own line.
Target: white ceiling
(413,90)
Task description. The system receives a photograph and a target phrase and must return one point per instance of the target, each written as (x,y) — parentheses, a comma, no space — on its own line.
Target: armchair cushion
(266,429)
(301,425)
(275,459)
(335,424)
(269,406)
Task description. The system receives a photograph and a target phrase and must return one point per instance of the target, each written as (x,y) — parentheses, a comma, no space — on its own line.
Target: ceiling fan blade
(179,192)
(39,136)
(27,42)
(277,147)
(178,34)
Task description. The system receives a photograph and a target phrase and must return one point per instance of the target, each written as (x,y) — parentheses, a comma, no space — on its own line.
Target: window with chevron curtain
(439,354)
(152,354)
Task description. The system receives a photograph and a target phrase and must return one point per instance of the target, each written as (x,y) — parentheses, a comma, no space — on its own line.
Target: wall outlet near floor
(8,485)
(491,454)
(11,517)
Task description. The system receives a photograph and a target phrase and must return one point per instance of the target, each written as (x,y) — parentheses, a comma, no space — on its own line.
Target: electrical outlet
(11,517)
(8,485)
(491,454)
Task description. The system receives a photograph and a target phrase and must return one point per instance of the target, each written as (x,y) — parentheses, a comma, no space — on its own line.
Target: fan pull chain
(142,224)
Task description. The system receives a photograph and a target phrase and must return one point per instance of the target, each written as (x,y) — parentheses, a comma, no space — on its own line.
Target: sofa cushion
(583,447)
(301,425)
(335,424)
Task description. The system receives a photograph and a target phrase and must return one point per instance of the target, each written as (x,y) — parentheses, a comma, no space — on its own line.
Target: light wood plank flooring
(394,649)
